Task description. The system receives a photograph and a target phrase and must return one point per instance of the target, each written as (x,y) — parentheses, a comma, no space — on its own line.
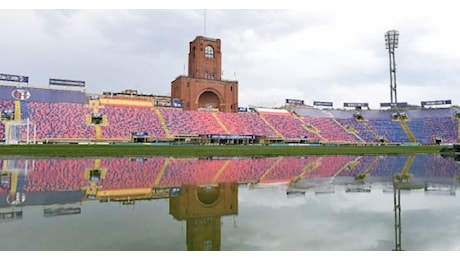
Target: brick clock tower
(203,88)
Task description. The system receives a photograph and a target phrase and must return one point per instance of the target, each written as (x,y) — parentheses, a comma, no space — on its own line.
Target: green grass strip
(92,150)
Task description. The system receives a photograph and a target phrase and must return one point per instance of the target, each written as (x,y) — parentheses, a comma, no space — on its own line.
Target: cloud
(325,52)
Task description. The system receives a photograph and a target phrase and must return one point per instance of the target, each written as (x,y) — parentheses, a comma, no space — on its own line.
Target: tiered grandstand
(60,115)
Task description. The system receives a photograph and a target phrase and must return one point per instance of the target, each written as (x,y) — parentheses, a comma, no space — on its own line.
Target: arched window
(209,52)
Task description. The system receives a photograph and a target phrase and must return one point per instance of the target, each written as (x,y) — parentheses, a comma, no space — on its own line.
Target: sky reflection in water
(312,203)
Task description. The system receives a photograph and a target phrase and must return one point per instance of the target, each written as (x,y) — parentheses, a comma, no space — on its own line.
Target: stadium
(203,109)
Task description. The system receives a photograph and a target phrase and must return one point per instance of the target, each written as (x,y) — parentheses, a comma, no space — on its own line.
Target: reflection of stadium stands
(245,169)
(329,166)
(388,165)
(192,171)
(123,173)
(57,175)
(64,181)
(284,170)
(360,165)
(433,165)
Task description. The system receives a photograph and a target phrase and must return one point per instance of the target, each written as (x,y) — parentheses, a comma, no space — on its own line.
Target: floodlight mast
(391,42)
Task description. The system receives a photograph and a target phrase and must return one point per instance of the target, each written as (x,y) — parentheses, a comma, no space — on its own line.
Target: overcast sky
(330,51)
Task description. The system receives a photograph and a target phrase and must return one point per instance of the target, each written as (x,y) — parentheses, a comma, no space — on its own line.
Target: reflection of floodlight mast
(391,42)
(397,209)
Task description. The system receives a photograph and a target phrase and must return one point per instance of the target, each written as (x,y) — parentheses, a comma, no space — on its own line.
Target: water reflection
(206,193)
(202,206)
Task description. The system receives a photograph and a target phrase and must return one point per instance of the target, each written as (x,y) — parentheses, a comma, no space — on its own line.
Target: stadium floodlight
(391,39)
(391,42)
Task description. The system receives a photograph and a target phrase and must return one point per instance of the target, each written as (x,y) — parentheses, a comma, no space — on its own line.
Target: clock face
(209,52)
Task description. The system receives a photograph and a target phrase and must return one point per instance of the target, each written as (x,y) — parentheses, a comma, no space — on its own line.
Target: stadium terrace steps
(278,134)
(17,110)
(371,130)
(390,130)
(359,128)
(407,131)
(311,129)
(181,122)
(122,121)
(358,138)
(330,130)
(220,122)
(288,125)
(98,132)
(162,122)
(245,124)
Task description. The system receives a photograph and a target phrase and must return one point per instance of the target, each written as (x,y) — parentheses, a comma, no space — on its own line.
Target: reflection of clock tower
(202,207)
(203,88)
